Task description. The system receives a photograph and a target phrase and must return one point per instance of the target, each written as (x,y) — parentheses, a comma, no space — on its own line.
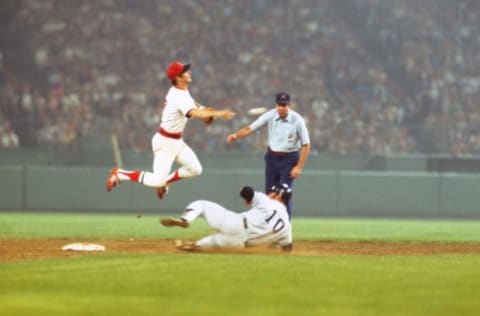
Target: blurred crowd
(369,76)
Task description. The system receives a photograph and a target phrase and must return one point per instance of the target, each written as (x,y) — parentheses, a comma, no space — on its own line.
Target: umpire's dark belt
(279,153)
(163,132)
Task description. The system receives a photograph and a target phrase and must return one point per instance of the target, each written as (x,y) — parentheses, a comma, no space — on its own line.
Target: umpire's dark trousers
(277,170)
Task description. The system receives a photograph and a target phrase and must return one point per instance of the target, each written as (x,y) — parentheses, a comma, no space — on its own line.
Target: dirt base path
(25,249)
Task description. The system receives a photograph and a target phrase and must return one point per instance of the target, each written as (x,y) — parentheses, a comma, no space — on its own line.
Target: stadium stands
(373,77)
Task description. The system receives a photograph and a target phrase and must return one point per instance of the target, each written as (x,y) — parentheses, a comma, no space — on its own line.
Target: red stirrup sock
(174,177)
(132,175)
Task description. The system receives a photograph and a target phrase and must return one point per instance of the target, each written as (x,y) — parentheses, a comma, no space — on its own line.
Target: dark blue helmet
(283,190)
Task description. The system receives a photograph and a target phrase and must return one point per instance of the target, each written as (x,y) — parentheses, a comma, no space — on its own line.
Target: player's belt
(279,153)
(163,132)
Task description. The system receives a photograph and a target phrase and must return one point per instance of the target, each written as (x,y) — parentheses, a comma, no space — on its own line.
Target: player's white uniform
(168,145)
(265,223)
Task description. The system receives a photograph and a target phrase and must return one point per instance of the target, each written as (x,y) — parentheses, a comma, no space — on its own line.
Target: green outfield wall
(100,154)
(316,193)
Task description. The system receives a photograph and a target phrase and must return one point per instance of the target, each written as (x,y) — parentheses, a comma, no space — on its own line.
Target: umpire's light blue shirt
(285,135)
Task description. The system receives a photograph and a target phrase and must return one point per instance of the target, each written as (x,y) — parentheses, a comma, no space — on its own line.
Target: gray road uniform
(265,223)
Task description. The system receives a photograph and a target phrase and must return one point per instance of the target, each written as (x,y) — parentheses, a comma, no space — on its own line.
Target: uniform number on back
(279,224)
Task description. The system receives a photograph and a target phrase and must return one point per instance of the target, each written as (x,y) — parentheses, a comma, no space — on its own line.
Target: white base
(79,246)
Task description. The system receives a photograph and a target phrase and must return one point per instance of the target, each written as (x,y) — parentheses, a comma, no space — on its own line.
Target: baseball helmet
(283,190)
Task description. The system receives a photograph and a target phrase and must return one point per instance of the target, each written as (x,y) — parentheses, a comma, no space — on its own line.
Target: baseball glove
(209,120)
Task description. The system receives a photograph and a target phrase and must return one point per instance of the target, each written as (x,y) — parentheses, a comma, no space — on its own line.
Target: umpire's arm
(243,132)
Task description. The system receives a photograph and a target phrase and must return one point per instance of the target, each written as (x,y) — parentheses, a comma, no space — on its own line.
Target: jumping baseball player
(167,143)
(266,222)
(288,143)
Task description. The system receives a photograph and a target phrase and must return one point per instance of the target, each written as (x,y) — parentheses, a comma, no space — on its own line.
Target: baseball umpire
(288,143)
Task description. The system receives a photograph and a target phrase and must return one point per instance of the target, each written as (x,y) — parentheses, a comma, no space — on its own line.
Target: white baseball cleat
(112,180)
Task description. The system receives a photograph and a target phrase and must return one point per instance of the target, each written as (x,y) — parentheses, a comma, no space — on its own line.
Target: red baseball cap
(176,69)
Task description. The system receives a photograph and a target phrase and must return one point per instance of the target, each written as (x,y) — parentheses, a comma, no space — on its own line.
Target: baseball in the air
(257,111)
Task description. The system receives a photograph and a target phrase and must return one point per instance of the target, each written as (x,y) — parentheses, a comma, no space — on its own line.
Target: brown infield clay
(30,249)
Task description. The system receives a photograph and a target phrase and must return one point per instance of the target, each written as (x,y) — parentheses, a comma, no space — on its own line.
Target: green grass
(55,225)
(235,284)
(198,284)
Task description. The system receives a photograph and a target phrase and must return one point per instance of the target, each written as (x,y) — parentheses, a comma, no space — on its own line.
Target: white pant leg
(228,224)
(165,151)
(190,165)
(220,240)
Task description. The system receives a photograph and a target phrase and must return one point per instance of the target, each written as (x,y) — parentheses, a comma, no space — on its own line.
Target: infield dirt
(30,249)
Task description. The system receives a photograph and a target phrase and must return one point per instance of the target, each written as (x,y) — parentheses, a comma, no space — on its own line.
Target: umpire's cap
(282,98)
(176,69)
(283,190)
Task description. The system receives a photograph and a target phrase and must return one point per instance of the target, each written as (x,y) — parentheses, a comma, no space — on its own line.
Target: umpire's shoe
(174,221)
